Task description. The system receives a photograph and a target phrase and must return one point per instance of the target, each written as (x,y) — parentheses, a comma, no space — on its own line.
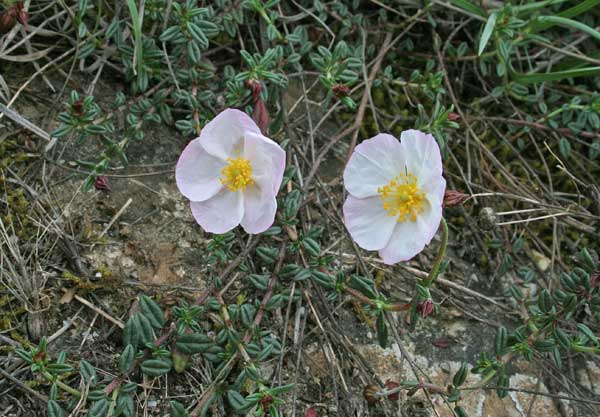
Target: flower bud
(101,183)
(21,14)
(454,198)
(340,90)
(453,117)
(390,385)
(7,20)
(425,307)
(255,87)
(369,394)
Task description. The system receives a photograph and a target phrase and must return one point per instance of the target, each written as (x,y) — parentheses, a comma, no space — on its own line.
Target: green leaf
(311,246)
(502,385)
(59,368)
(587,332)
(237,401)
(193,343)
(382,330)
(156,367)
(570,23)
(488,29)
(564,146)
(23,354)
(460,376)
(137,34)
(500,341)
(126,359)
(125,406)
(281,389)
(177,409)
(468,6)
(556,76)
(54,410)
(87,371)
(99,408)
(198,35)
(169,33)
(152,311)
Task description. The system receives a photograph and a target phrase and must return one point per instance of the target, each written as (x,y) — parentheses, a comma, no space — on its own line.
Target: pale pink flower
(396,192)
(231,173)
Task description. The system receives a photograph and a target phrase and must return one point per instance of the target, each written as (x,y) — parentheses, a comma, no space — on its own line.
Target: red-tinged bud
(266,402)
(21,14)
(453,117)
(340,90)
(454,198)
(7,20)
(39,357)
(77,108)
(310,412)
(390,385)
(255,87)
(369,394)
(425,307)
(101,183)
(261,115)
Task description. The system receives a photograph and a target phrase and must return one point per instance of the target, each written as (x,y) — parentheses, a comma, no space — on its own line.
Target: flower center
(402,198)
(237,175)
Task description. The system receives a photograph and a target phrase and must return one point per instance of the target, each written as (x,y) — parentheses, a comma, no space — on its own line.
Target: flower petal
(259,210)
(422,153)
(268,161)
(409,238)
(220,213)
(197,173)
(373,164)
(434,190)
(368,223)
(223,136)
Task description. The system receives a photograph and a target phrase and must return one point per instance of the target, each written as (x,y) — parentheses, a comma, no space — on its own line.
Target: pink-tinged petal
(422,153)
(373,164)
(268,162)
(197,173)
(409,238)
(223,136)
(220,213)
(368,223)
(434,190)
(259,210)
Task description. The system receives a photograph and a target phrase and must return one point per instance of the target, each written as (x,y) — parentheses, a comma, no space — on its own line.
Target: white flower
(396,192)
(231,174)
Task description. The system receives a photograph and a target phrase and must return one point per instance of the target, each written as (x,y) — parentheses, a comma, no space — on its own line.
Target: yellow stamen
(402,198)
(237,175)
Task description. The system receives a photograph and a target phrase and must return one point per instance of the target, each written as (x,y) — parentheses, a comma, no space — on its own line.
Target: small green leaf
(152,311)
(382,330)
(54,410)
(156,367)
(87,371)
(237,401)
(193,343)
(469,7)
(488,29)
(177,409)
(126,359)
(311,246)
(99,408)
(59,368)
(460,376)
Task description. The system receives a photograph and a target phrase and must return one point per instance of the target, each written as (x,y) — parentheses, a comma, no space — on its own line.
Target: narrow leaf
(487,32)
